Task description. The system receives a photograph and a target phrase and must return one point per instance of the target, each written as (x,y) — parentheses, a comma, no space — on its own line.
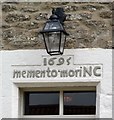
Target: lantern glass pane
(52,40)
(53,26)
(63,39)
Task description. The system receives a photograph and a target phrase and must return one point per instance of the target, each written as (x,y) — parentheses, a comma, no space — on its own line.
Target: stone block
(106,14)
(10,18)
(8,8)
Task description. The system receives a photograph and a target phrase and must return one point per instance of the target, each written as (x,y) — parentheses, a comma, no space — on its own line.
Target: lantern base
(55,53)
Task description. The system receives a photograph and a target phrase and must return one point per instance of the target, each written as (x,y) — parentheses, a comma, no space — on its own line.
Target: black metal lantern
(54,34)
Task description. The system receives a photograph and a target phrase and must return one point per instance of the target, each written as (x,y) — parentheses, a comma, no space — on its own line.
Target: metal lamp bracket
(59,12)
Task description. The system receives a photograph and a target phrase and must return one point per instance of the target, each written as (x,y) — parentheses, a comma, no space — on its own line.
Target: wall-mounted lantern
(54,34)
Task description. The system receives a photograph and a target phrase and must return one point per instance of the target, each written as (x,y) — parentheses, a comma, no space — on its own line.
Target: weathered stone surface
(106,14)
(85,16)
(42,16)
(100,43)
(113,16)
(59,3)
(31,10)
(95,24)
(28,25)
(92,7)
(8,8)
(73,25)
(5,26)
(20,39)
(71,8)
(71,44)
(10,18)
(88,24)
(7,34)
(80,16)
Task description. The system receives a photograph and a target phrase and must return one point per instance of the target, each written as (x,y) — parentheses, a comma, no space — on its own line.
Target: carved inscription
(60,67)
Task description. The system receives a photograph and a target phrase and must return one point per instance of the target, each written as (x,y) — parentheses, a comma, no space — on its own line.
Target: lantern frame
(56,20)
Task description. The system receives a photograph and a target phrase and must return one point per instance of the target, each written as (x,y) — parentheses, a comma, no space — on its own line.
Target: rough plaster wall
(89,24)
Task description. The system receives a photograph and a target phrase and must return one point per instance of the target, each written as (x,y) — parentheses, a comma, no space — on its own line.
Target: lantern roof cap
(53,16)
(53,26)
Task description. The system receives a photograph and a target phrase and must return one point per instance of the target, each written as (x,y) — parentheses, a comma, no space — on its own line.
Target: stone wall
(89,24)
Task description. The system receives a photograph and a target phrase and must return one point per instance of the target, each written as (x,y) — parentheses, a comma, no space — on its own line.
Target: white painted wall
(0,86)
(10,91)
(113,84)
